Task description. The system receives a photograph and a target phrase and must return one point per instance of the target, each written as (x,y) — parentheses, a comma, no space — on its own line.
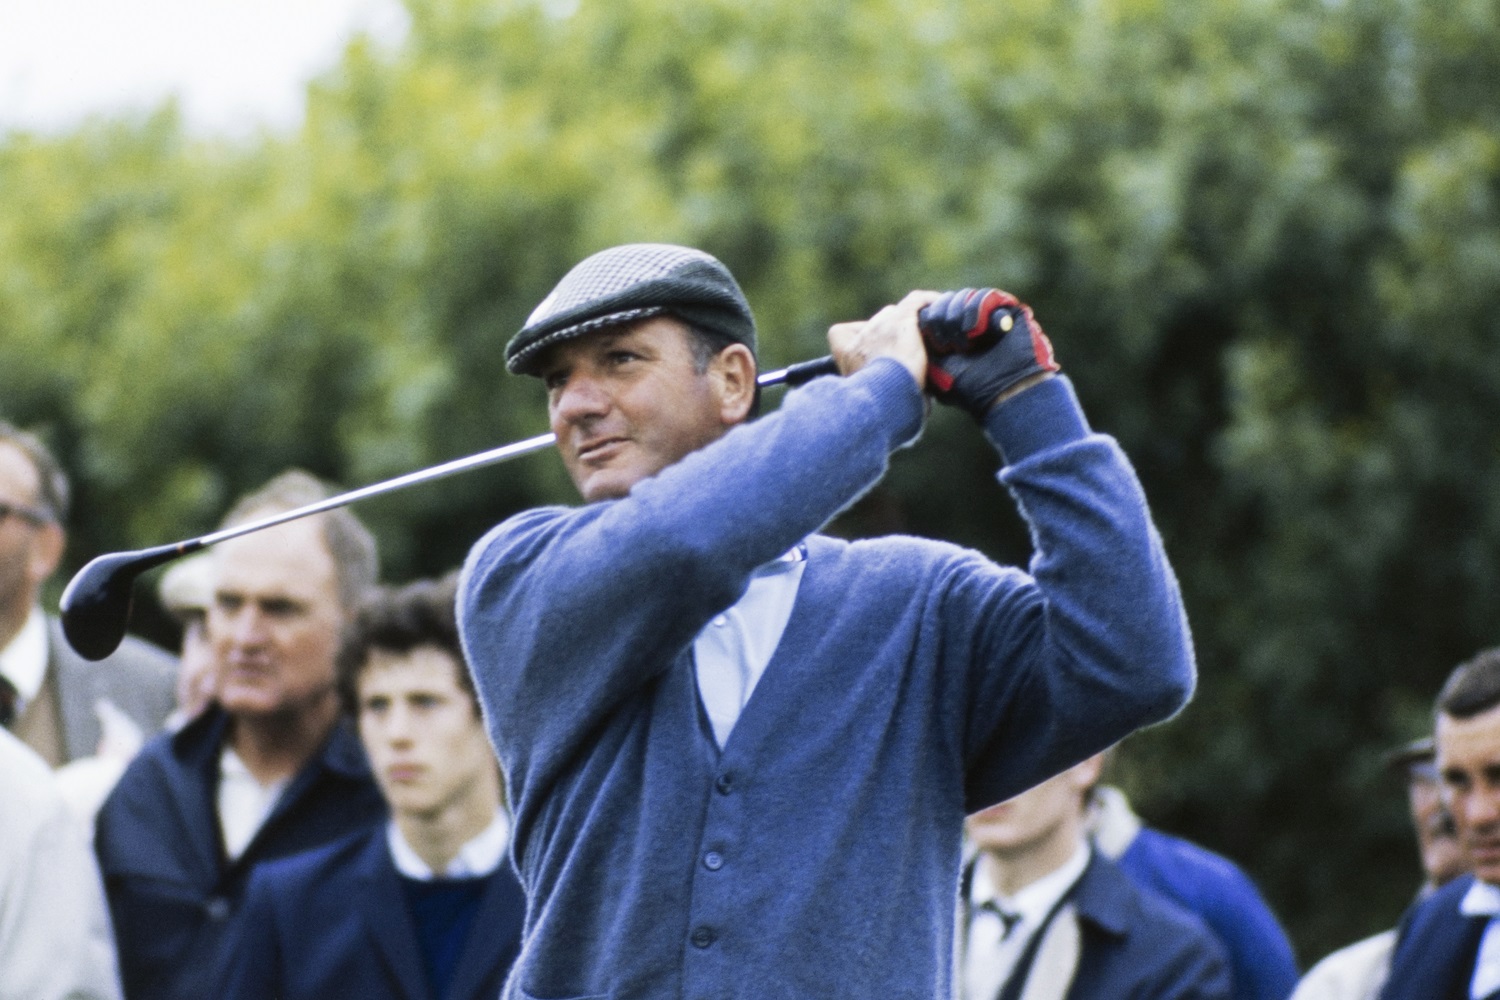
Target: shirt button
(703,937)
(217,908)
(724,784)
(720,621)
(713,861)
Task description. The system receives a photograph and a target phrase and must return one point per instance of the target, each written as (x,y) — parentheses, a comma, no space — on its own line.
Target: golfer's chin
(611,472)
(607,482)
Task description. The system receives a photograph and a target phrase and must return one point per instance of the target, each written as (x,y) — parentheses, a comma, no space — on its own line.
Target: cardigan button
(724,783)
(703,937)
(713,861)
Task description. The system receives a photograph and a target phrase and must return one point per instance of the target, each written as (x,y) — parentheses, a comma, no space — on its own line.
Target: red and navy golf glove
(981,342)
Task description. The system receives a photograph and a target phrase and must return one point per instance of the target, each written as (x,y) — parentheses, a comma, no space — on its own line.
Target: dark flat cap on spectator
(1422,751)
(634,282)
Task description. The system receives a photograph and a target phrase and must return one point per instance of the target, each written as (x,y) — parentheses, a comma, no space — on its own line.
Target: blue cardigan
(818,854)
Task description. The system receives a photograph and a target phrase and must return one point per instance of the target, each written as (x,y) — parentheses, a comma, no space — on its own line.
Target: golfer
(740,752)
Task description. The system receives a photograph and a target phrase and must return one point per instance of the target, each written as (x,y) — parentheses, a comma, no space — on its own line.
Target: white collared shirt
(244,803)
(477,858)
(990,955)
(732,651)
(1483,900)
(23,661)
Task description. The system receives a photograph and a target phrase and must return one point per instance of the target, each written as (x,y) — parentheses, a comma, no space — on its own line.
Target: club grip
(802,372)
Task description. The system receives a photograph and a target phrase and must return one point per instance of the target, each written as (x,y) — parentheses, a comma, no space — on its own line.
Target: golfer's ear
(733,371)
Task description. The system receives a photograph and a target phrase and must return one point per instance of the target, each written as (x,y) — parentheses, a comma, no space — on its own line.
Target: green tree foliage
(1262,234)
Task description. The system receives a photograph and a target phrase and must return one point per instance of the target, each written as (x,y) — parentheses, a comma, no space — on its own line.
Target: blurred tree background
(1263,235)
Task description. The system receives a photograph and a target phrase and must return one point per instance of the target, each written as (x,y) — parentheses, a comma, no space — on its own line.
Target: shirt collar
(479,857)
(1482,900)
(24,661)
(1036,900)
(790,559)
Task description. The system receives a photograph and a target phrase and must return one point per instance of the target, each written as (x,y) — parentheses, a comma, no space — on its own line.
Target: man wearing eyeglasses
(49,696)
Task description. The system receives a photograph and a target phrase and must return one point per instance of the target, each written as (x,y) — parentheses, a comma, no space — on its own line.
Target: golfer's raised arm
(718,725)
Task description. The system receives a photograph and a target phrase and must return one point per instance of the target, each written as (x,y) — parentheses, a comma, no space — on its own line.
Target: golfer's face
(627,402)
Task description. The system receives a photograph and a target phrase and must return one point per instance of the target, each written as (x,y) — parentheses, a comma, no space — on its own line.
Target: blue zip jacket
(818,854)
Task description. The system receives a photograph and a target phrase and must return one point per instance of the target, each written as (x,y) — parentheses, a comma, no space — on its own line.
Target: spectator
(54,934)
(187,591)
(1046,915)
(1262,964)
(1359,971)
(426,906)
(57,702)
(268,771)
(741,752)
(1448,945)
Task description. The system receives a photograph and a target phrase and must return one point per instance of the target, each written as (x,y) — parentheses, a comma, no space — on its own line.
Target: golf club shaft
(797,374)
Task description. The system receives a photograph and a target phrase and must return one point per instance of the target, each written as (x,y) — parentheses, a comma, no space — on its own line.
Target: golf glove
(981,342)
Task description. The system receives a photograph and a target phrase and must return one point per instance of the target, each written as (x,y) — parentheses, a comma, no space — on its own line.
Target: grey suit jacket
(139,678)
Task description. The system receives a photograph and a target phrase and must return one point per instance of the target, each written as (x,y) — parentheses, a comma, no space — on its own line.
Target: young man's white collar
(479,857)
(991,952)
(23,661)
(1035,901)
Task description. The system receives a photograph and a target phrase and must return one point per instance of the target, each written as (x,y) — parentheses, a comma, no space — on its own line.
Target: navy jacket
(1135,945)
(173,896)
(1436,948)
(1139,947)
(333,923)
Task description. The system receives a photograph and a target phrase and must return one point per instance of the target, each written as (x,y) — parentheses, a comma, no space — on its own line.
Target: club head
(95,607)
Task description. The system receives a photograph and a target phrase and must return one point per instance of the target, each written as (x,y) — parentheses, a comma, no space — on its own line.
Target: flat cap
(633,282)
(188,587)
(1419,751)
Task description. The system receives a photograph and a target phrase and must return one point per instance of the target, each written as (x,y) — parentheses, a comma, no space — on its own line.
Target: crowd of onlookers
(304,803)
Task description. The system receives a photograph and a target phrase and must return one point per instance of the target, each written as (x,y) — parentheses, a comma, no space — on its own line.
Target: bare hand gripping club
(95,608)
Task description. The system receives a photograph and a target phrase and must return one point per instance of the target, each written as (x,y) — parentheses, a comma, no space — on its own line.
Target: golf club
(95,607)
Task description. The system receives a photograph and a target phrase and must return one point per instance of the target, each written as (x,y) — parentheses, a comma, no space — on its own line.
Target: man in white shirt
(54,935)
(1046,917)
(432,890)
(269,770)
(57,702)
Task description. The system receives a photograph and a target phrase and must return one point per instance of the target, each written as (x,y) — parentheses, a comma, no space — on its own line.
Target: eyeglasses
(32,515)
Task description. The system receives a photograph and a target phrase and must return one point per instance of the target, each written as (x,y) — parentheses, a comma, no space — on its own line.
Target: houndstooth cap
(632,282)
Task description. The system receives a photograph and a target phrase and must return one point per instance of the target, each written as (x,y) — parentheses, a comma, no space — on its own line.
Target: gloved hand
(981,342)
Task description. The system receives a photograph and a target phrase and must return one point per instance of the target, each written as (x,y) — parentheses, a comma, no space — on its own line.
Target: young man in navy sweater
(424,907)
(740,753)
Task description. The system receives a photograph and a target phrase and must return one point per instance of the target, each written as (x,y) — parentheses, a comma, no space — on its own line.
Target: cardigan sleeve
(1093,642)
(565,613)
